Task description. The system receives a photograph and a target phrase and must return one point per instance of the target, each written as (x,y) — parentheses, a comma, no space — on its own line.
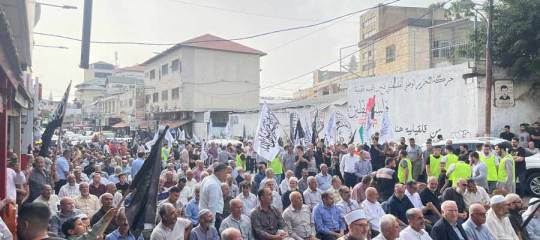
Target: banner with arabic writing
(420,104)
(267,136)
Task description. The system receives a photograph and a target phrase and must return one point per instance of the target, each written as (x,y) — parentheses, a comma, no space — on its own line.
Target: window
(176,65)
(164,95)
(175,93)
(441,48)
(152,74)
(148,99)
(101,74)
(155,97)
(164,69)
(390,53)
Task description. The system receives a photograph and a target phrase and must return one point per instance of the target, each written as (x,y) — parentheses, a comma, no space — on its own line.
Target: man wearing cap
(205,230)
(475,226)
(497,220)
(358,226)
(211,196)
(416,227)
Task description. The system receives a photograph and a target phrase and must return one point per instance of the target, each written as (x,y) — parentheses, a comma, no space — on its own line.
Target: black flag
(54,123)
(299,131)
(145,187)
(314,133)
(351,141)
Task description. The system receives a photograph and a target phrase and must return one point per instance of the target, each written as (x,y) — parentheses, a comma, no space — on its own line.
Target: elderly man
(298,219)
(269,176)
(231,234)
(70,189)
(475,226)
(324,180)
(38,178)
(87,203)
(448,228)
(211,197)
(237,220)
(431,211)
(106,205)
(398,204)
(205,230)
(312,195)
(122,232)
(358,226)
(347,166)
(117,196)
(416,227)
(346,205)
(192,208)
(475,194)
(248,199)
(67,211)
(456,194)
(171,226)
(293,187)
(358,192)
(497,220)
(97,187)
(284,185)
(389,228)
(48,198)
(327,217)
(266,221)
(372,208)
(515,205)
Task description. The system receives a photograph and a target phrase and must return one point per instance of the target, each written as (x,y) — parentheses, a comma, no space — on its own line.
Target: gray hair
(413,212)
(387,222)
(227,234)
(163,209)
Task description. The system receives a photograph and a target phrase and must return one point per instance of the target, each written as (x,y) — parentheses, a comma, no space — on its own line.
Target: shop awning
(120,125)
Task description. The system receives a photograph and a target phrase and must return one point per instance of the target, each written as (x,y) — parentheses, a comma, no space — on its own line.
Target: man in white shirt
(14,177)
(312,195)
(48,198)
(414,197)
(372,208)
(249,200)
(171,226)
(497,220)
(347,167)
(475,194)
(416,227)
(211,196)
(70,189)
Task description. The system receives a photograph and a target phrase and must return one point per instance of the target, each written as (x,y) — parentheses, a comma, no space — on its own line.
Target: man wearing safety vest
(459,170)
(433,163)
(507,170)
(492,164)
(404,168)
(451,158)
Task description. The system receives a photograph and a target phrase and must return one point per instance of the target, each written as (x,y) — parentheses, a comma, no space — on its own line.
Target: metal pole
(489,69)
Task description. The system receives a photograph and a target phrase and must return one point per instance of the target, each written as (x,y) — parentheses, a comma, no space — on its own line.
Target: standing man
(137,164)
(347,167)
(518,153)
(506,134)
(377,154)
(433,163)
(523,135)
(447,228)
(404,168)
(324,180)
(328,222)
(414,152)
(492,164)
(507,170)
(358,226)
(211,195)
(288,158)
(479,170)
(38,178)
(475,227)
(62,170)
(266,221)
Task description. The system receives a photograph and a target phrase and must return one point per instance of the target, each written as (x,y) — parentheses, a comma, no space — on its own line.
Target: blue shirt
(476,232)
(324,182)
(192,211)
(136,166)
(62,166)
(115,235)
(327,219)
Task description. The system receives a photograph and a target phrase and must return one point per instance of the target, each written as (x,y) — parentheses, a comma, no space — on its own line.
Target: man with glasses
(358,226)
(475,194)
(474,227)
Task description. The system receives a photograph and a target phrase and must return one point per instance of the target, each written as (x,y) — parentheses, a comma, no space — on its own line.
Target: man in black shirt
(535,134)
(519,158)
(377,154)
(506,134)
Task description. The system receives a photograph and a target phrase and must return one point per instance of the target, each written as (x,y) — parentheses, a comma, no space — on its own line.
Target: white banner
(266,138)
(387,133)
(330,130)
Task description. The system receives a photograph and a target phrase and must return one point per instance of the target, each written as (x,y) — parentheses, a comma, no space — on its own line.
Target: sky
(171,21)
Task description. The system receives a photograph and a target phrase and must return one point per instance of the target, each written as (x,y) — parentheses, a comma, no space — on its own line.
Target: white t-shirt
(12,179)
(177,233)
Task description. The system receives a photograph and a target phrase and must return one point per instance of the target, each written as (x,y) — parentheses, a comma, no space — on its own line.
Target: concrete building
(98,70)
(201,79)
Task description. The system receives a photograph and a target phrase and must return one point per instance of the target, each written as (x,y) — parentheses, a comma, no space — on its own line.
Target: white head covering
(355,215)
(532,206)
(496,199)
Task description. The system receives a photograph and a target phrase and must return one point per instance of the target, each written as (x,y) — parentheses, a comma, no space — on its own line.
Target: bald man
(298,218)
(475,226)
(231,234)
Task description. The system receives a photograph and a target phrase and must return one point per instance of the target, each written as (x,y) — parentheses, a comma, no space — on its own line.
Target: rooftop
(125,80)
(134,68)
(212,42)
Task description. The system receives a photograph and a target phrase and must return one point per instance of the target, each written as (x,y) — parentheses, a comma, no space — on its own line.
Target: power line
(221,40)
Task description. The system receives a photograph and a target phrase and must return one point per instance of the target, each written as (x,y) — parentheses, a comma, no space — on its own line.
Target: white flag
(330,130)
(386,129)
(168,137)
(266,138)
(181,135)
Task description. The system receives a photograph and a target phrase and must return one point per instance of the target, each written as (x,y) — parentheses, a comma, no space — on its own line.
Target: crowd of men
(209,191)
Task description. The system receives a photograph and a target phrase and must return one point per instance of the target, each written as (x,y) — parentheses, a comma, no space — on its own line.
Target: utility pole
(489,68)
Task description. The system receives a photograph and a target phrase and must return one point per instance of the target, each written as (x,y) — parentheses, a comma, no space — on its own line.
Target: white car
(532,161)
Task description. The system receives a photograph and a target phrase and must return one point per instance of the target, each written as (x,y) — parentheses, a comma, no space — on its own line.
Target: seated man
(205,230)
(106,205)
(373,210)
(67,211)
(75,228)
(298,218)
(266,221)
(328,221)
(413,195)
(398,205)
(475,194)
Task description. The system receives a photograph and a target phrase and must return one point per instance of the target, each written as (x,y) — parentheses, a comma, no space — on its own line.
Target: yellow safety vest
(165,154)
(503,175)
(450,159)
(401,171)
(461,171)
(276,165)
(434,165)
(491,166)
